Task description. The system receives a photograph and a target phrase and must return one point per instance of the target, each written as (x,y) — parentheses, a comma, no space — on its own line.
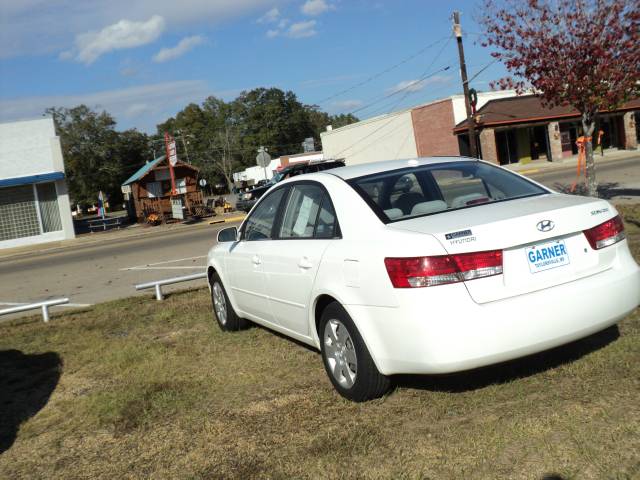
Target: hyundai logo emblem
(545,225)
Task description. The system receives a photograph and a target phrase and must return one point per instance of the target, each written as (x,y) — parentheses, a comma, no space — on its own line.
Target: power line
(435,59)
(482,70)
(382,72)
(400,90)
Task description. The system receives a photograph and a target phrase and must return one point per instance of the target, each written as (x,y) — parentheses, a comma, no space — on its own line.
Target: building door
(568,137)
(538,142)
(524,149)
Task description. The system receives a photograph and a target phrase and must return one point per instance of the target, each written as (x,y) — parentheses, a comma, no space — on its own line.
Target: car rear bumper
(449,332)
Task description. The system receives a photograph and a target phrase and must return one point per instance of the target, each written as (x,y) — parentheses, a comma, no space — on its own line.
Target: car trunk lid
(541,239)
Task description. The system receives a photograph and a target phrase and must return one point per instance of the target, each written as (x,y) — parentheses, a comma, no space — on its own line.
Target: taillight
(411,272)
(605,234)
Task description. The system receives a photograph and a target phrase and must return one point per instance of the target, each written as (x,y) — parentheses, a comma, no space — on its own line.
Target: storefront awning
(28,180)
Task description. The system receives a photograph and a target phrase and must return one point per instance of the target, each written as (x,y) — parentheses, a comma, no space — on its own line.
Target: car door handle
(256,260)
(305,263)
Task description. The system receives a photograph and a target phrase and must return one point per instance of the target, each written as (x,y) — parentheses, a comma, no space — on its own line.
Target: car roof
(305,165)
(354,171)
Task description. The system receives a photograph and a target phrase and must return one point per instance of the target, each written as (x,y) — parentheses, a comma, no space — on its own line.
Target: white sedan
(423,266)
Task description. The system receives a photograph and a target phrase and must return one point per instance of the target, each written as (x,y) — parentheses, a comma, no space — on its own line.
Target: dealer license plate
(546,256)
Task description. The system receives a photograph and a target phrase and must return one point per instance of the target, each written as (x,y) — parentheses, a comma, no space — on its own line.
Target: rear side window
(429,189)
(308,214)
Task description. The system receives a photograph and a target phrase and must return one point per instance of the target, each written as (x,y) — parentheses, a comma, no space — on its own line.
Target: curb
(571,165)
(232,219)
(93,241)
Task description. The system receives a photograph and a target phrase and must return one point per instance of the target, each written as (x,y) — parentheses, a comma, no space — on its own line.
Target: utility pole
(457,30)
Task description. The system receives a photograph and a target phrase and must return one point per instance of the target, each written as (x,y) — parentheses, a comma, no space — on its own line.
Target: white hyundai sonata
(424,266)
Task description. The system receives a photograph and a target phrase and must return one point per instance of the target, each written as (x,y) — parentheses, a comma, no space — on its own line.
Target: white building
(34,202)
(252,175)
(420,131)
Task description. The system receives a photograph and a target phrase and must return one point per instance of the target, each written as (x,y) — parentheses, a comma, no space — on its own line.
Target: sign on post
(263,158)
(172,156)
(176,208)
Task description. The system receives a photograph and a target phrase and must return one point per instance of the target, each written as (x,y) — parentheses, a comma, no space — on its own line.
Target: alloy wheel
(219,303)
(340,353)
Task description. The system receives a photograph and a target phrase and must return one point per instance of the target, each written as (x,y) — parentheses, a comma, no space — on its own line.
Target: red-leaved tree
(585,53)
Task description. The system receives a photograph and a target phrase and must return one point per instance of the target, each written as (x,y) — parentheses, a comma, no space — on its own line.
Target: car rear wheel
(223,312)
(346,358)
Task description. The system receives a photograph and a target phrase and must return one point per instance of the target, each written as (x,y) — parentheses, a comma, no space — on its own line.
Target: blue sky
(143,60)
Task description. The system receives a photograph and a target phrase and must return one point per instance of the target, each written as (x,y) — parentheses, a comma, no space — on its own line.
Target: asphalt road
(89,274)
(625,173)
(97,272)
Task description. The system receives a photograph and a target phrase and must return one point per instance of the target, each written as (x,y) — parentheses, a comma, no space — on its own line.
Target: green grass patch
(141,389)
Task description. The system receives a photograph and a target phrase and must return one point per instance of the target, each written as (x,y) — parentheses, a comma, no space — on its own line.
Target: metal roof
(527,109)
(28,180)
(143,170)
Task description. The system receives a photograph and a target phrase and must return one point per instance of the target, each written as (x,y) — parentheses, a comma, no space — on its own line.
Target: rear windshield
(413,192)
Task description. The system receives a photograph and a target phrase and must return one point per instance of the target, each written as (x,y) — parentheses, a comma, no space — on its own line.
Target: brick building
(421,131)
(520,129)
(510,128)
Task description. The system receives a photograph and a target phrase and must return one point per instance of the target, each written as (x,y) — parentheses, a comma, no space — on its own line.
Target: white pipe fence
(32,306)
(168,281)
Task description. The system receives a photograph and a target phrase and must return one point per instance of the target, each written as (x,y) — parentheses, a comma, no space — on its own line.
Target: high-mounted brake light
(411,272)
(605,234)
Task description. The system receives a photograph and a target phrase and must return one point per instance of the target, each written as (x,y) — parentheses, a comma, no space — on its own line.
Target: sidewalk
(538,166)
(131,231)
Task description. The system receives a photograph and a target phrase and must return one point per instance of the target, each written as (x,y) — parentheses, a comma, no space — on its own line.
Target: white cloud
(302,29)
(180,49)
(270,17)
(316,7)
(35,27)
(295,30)
(123,34)
(142,106)
(419,85)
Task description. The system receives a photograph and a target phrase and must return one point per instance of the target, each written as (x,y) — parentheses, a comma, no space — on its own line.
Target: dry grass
(137,389)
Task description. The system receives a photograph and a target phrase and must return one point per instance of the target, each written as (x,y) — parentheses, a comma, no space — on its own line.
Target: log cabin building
(148,192)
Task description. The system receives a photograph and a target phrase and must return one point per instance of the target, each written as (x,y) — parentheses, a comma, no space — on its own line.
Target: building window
(154,189)
(49,210)
(181,185)
(18,214)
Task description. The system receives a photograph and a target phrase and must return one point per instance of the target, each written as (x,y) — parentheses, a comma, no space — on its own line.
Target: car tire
(226,317)
(346,358)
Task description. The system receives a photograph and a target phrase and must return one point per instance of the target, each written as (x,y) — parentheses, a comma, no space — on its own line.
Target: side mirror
(228,235)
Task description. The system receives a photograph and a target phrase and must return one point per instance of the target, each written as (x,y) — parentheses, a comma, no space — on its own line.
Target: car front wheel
(223,311)
(346,358)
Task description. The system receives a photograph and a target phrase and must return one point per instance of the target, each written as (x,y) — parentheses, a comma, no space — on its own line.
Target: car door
(244,264)
(292,259)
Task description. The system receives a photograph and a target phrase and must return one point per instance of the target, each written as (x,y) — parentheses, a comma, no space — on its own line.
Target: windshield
(412,192)
(276,178)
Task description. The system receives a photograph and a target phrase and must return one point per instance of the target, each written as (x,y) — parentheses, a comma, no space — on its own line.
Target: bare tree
(224,153)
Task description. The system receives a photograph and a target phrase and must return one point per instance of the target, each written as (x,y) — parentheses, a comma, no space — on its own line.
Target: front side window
(309,214)
(407,193)
(260,223)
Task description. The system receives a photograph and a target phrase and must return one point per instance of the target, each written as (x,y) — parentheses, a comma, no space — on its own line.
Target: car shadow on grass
(511,370)
(26,383)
